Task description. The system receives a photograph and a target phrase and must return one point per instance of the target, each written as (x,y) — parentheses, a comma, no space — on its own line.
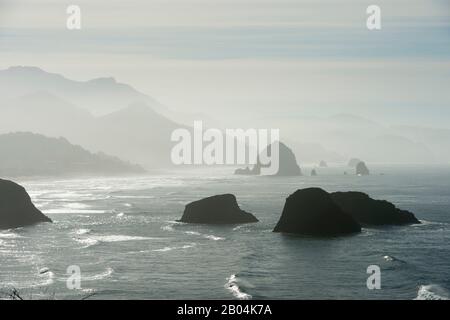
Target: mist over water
(123,234)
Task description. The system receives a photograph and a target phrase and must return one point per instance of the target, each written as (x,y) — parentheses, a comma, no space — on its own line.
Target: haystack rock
(353,162)
(312,212)
(219,209)
(16,208)
(323,164)
(313,172)
(361,169)
(368,211)
(287,163)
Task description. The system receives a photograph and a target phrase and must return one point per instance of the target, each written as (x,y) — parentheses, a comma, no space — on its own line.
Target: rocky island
(218,209)
(368,211)
(16,208)
(287,163)
(313,212)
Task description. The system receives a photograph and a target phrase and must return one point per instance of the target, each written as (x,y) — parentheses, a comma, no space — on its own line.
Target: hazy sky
(262,59)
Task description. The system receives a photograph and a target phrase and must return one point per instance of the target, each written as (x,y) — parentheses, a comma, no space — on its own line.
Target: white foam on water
(82,231)
(206,236)
(233,287)
(213,237)
(119,238)
(87,242)
(9,235)
(195,233)
(167,228)
(431,292)
(187,246)
(106,274)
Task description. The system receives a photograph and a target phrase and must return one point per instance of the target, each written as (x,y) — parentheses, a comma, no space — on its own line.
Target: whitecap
(233,287)
(193,233)
(82,231)
(107,273)
(9,235)
(431,292)
(167,228)
(213,237)
(119,238)
(87,242)
(165,249)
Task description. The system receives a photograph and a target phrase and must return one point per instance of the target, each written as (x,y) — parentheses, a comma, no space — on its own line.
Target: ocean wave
(167,228)
(195,233)
(119,238)
(94,240)
(82,231)
(393,259)
(106,274)
(87,242)
(431,292)
(206,236)
(187,246)
(213,237)
(9,235)
(233,287)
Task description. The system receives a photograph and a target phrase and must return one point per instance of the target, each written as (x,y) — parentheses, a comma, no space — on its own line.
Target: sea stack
(313,172)
(219,209)
(313,212)
(353,162)
(323,164)
(361,169)
(16,208)
(368,211)
(287,162)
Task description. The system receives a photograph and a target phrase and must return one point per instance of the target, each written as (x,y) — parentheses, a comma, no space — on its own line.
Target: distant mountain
(99,96)
(27,154)
(136,133)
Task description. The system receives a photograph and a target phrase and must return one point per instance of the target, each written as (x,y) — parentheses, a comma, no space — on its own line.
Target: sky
(249,62)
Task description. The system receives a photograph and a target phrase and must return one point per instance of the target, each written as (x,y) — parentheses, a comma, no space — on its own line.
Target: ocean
(122,234)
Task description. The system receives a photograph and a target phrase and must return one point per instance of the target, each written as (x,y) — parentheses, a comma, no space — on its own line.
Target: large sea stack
(361,169)
(287,162)
(313,212)
(16,208)
(368,211)
(219,209)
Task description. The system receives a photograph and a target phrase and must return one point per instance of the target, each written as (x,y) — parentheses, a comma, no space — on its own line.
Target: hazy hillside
(27,154)
(99,96)
(135,133)
(104,115)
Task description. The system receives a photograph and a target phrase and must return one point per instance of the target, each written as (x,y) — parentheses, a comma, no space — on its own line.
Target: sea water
(122,234)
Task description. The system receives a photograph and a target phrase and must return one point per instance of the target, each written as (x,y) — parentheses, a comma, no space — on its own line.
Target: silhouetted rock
(287,163)
(361,169)
(313,172)
(16,208)
(368,211)
(219,209)
(323,164)
(311,211)
(353,162)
